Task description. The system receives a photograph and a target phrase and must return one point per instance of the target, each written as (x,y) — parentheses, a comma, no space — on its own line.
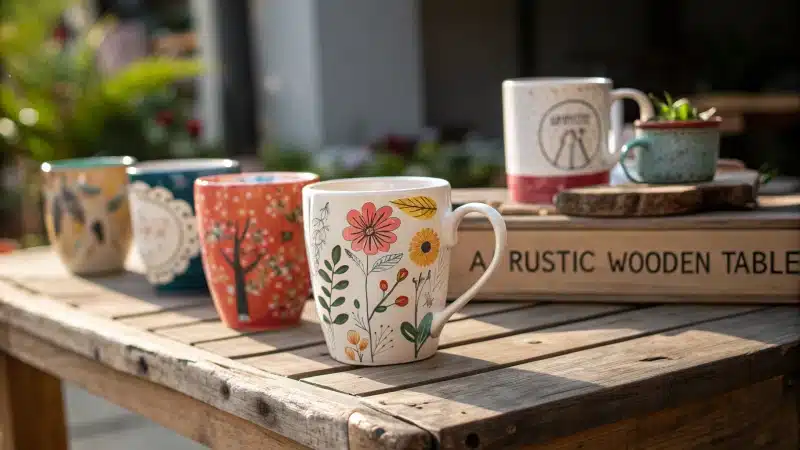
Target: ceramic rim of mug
(375,185)
(181,165)
(257,179)
(94,162)
(558,80)
(713,122)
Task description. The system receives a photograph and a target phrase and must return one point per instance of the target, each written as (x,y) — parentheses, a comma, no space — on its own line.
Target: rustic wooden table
(544,376)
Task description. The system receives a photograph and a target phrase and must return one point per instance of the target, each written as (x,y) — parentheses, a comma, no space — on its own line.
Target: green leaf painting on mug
(329,275)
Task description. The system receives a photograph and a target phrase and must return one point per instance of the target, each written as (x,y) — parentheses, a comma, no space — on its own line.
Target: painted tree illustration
(242,257)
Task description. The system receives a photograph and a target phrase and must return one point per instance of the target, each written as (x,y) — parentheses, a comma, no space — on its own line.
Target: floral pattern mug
(251,231)
(379,256)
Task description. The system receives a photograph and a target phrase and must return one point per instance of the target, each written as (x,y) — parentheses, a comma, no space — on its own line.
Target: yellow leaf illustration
(417,207)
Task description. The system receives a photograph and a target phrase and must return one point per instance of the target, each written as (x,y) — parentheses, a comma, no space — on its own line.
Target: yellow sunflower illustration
(424,248)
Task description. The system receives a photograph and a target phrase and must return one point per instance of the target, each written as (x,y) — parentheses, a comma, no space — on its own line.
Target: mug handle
(642,143)
(645,111)
(452,220)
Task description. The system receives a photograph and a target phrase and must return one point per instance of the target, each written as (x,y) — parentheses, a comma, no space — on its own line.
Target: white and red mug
(562,133)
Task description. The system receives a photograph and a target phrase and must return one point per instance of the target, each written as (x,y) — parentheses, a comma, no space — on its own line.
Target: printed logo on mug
(560,133)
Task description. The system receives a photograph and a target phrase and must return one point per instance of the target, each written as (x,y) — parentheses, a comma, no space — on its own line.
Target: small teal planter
(165,228)
(674,152)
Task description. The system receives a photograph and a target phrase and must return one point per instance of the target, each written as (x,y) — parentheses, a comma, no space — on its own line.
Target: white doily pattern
(165,229)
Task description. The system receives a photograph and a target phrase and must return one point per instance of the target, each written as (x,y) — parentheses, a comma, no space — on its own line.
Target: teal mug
(673,152)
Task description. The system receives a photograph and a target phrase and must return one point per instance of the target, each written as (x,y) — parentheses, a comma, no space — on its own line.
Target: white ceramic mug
(557,133)
(379,255)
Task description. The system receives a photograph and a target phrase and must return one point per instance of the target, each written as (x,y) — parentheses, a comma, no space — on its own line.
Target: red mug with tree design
(253,249)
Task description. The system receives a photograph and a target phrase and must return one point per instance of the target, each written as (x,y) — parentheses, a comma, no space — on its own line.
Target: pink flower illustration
(371,230)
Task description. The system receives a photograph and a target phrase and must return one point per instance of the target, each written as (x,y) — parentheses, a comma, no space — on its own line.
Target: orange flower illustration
(359,345)
(371,230)
(353,337)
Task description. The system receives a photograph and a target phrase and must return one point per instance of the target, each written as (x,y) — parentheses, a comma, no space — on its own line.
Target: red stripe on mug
(540,190)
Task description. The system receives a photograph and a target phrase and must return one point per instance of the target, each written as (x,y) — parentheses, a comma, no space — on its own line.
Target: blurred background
(360,87)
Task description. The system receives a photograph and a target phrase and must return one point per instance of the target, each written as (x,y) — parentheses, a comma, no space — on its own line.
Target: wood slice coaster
(731,190)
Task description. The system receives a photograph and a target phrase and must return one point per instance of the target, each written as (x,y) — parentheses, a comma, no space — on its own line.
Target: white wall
(338,71)
(371,69)
(288,45)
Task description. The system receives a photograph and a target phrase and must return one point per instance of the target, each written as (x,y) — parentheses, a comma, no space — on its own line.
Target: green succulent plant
(678,110)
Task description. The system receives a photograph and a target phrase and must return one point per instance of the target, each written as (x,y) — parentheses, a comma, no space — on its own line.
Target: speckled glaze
(674,152)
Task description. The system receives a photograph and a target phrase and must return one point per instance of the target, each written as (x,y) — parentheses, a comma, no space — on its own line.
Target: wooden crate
(719,257)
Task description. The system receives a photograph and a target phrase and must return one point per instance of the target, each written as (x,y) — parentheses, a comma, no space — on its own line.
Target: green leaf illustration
(326,320)
(328,265)
(341,285)
(89,190)
(342,269)
(326,291)
(336,254)
(115,203)
(356,303)
(387,262)
(341,319)
(324,275)
(338,302)
(424,329)
(409,332)
(323,303)
(381,308)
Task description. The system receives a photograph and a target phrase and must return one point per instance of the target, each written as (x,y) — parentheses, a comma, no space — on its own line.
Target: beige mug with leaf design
(379,255)
(86,212)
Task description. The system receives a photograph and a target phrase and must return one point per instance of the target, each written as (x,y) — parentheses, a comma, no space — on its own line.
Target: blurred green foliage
(467,163)
(56,103)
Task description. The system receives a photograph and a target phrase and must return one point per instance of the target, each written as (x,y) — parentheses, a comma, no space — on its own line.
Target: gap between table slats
(552,397)
(315,360)
(494,354)
(235,344)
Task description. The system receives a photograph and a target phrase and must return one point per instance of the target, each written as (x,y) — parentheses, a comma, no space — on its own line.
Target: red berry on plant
(402,275)
(193,126)
(401,301)
(164,118)
(384,285)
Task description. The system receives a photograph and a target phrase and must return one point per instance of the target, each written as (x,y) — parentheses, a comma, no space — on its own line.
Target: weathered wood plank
(541,400)
(215,329)
(310,333)
(497,353)
(31,406)
(513,322)
(307,333)
(315,360)
(297,363)
(312,416)
(182,414)
(757,417)
(173,317)
(112,296)
(368,431)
